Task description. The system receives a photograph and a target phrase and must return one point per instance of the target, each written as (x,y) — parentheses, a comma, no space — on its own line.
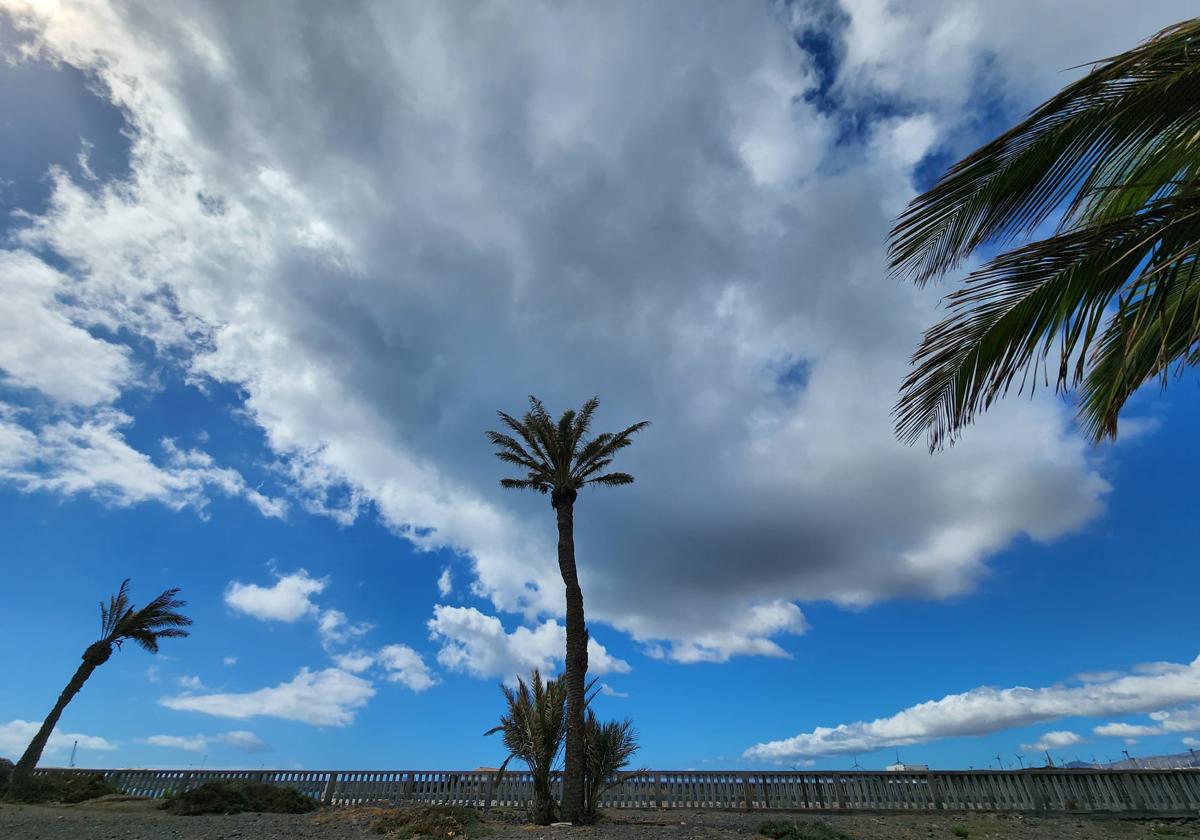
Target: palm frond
(116,608)
(1117,154)
(557,455)
(613,479)
(159,619)
(1072,151)
(1050,295)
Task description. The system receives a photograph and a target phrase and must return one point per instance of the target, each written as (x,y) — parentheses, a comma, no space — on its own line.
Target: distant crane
(1049,759)
(1132,760)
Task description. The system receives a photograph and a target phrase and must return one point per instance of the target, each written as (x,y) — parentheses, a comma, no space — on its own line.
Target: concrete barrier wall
(1060,791)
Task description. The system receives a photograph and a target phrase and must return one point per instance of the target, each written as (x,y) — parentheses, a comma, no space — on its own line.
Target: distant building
(899,768)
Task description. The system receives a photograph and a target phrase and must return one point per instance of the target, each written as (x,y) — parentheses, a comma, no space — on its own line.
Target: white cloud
(192,743)
(1191,742)
(734,230)
(1055,740)
(1124,730)
(243,741)
(288,599)
(321,698)
(445,584)
(230,660)
(1165,722)
(191,683)
(91,457)
(608,691)
(478,644)
(43,349)
(983,710)
(240,740)
(355,662)
(336,629)
(16,735)
(404,665)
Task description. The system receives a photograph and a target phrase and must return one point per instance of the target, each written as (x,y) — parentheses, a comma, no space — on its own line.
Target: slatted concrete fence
(1062,791)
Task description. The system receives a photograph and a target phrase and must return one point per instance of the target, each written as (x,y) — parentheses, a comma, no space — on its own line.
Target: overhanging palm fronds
(1107,296)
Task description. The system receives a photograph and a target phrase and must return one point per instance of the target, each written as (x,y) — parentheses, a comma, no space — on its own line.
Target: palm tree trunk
(576,664)
(92,659)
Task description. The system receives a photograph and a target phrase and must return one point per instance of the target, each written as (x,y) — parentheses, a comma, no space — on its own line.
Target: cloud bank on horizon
(1153,687)
(685,214)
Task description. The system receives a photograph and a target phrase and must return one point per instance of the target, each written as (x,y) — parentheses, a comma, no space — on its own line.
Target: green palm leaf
(1116,155)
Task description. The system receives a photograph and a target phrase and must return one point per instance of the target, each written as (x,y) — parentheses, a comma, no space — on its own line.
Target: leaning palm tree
(119,621)
(560,459)
(533,730)
(1109,300)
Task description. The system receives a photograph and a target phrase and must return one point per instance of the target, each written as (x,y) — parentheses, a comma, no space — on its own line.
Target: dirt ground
(141,820)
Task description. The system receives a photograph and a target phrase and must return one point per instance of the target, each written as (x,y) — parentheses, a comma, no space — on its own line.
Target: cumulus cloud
(706,248)
(43,349)
(288,599)
(192,743)
(983,710)
(1055,740)
(445,583)
(91,457)
(355,662)
(608,691)
(404,665)
(240,740)
(477,644)
(321,698)
(191,683)
(16,735)
(230,660)
(1165,723)
(335,628)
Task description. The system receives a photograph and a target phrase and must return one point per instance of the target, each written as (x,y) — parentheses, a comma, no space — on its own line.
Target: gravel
(140,820)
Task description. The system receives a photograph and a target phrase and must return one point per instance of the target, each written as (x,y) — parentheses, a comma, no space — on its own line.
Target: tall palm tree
(119,622)
(560,459)
(1109,300)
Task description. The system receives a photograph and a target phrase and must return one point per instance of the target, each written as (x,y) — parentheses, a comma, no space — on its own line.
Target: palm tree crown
(157,620)
(1107,301)
(558,457)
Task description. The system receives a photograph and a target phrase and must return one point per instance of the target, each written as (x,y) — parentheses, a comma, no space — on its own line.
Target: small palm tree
(560,459)
(1114,292)
(608,747)
(119,621)
(533,729)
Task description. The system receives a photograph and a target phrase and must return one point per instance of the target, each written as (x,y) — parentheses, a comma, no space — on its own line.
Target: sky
(268,272)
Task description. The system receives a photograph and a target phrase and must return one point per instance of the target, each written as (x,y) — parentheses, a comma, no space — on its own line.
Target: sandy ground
(140,820)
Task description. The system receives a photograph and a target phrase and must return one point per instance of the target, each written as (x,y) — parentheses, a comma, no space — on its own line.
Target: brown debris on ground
(130,819)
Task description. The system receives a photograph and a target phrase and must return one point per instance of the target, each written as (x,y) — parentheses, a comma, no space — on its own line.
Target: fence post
(746,796)
(935,795)
(658,790)
(330,787)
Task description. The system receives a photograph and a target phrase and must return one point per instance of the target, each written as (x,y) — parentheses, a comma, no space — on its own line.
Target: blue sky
(264,291)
